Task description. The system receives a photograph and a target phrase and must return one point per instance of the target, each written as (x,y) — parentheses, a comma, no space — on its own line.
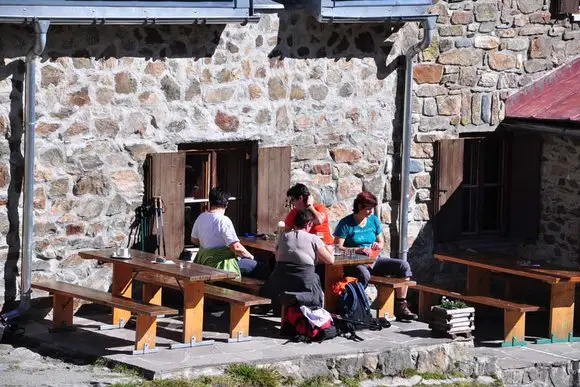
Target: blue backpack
(355,311)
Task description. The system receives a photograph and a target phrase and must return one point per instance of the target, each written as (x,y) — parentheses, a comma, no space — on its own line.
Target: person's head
(365,201)
(298,195)
(218,198)
(303,220)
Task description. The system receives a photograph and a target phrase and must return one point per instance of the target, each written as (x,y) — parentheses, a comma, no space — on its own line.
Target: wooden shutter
(273,182)
(166,179)
(448,193)
(524,195)
(568,6)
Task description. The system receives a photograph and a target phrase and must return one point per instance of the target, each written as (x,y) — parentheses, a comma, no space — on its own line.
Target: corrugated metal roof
(553,97)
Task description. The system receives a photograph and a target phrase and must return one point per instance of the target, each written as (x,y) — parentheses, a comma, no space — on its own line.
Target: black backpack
(355,312)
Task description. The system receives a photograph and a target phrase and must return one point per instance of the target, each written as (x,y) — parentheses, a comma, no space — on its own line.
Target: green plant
(446,303)
(251,375)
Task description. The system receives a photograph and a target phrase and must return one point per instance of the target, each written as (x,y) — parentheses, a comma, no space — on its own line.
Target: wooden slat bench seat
(514,313)
(385,301)
(240,302)
(252,285)
(64,293)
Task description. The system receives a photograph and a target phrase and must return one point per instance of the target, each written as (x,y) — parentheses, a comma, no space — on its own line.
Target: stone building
(109,95)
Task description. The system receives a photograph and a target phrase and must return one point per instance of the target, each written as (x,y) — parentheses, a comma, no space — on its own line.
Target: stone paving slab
(266,346)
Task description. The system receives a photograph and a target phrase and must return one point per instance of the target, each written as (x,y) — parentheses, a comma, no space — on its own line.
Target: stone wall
(559,237)
(108,95)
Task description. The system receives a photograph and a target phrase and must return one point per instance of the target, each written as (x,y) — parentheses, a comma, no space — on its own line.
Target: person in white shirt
(219,244)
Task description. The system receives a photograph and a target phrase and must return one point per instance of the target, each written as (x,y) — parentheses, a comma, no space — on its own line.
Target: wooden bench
(385,301)
(64,294)
(514,313)
(240,303)
(252,285)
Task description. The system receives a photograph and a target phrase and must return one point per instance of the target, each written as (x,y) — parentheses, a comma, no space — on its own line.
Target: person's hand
(375,246)
(363,250)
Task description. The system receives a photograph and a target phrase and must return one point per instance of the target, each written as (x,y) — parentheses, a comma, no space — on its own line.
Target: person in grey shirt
(294,277)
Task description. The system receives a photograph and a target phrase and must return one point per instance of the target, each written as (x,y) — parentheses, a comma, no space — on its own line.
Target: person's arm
(240,251)
(339,243)
(324,256)
(319,217)
(379,243)
(231,239)
(195,241)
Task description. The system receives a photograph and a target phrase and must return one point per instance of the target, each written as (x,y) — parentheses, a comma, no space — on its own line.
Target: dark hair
(364,199)
(218,198)
(302,218)
(298,190)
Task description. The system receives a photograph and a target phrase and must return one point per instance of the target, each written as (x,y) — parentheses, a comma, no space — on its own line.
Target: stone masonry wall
(108,95)
(559,237)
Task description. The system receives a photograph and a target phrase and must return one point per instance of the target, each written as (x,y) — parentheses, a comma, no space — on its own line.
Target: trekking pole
(157,236)
(160,208)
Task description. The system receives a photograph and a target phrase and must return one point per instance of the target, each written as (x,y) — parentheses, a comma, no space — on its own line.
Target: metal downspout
(40,28)
(428,26)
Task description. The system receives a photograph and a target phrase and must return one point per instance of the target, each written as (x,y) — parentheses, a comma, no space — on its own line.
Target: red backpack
(299,329)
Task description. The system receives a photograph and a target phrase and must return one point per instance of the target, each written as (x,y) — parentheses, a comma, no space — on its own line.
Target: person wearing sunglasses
(362,230)
(299,198)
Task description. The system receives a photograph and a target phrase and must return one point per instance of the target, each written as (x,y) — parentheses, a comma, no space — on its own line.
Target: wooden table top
(181,270)
(358,259)
(503,263)
(259,244)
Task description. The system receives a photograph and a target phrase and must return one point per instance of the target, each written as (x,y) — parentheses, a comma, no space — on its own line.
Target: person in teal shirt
(362,230)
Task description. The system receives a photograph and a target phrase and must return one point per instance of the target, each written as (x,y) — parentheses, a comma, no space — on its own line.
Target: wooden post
(152,294)
(62,314)
(192,311)
(332,274)
(145,333)
(478,281)
(514,326)
(122,287)
(385,301)
(562,309)
(239,321)
(426,301)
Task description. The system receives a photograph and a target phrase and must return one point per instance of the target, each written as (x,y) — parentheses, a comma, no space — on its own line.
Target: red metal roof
(553,97)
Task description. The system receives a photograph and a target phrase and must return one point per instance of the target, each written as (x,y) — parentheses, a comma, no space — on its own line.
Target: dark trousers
(384,267)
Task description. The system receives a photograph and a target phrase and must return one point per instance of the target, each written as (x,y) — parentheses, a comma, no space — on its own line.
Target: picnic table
(190,277)
(562,282)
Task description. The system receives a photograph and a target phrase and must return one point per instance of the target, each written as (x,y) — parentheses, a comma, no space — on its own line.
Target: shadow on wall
(300,36)
(12,130)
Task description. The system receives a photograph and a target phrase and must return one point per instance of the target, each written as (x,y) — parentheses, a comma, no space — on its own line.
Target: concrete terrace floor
(267,347)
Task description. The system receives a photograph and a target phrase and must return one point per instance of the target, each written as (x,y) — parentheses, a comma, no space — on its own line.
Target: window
(483,187)
(257,179)
(487,187)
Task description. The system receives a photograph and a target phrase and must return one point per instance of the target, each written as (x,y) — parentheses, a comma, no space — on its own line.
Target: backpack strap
(351,291)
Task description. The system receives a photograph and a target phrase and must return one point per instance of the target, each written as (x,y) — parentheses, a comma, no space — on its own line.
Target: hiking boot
(402,311)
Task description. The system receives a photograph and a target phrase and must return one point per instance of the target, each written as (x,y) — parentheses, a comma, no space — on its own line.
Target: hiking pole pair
(159,222)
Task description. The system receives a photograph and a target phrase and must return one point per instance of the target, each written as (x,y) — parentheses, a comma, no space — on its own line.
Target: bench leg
(514,328)
(426,301)
(239,323)
(152,294)
(62,318)
(385,301)
(145,334)
(122,287)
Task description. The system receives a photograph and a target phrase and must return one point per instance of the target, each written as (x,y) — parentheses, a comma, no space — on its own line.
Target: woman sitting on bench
(297,253)
(362,230)
(219,245)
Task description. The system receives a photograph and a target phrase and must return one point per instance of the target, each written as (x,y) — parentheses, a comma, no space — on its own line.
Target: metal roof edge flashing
(100,15)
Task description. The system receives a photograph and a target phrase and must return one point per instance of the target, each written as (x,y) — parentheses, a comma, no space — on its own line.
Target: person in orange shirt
(300,198)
